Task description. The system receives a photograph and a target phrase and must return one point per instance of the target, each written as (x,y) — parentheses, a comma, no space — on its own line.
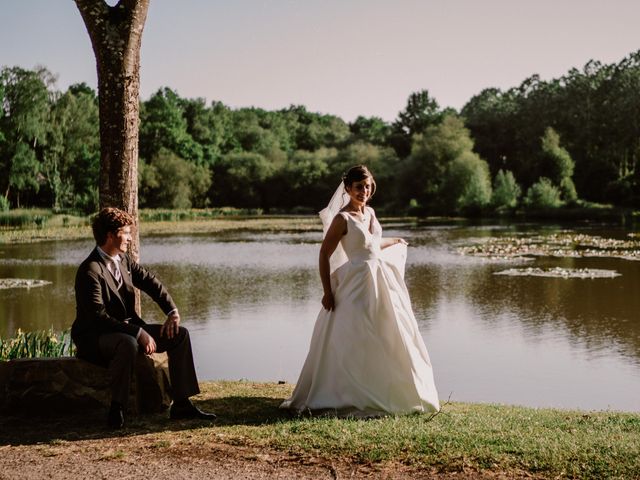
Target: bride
(366,355)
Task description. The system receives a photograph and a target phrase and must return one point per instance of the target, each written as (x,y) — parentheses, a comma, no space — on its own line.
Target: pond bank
(57,231)
(254,439)
(160,222)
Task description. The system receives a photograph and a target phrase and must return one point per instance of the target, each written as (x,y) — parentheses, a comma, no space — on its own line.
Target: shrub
(568,190)
(4,204)
(506,191)
(543,194)
(467,185)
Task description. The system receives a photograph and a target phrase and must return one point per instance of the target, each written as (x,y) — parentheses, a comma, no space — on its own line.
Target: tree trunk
(116,34)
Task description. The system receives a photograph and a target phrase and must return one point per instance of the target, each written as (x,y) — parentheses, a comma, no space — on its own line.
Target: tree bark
(116,35)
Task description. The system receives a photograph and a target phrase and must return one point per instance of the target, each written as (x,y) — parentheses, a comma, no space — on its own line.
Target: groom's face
(120,240)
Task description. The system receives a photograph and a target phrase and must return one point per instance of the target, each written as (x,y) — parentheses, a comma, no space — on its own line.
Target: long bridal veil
(339,200)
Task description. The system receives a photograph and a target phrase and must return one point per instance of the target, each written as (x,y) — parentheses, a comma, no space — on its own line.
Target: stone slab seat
(50,386)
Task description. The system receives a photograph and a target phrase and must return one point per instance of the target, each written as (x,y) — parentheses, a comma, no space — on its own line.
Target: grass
(217,225)
(21,218)
(29,225)
(544,442)
(36,345)
(39,218)
(489,439)
(179,215)
(159,222)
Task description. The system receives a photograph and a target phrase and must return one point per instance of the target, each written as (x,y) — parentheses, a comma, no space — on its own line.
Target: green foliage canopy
(581,132)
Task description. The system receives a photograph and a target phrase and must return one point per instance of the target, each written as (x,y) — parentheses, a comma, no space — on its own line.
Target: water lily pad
(557,272)
(565,244)
(22,283)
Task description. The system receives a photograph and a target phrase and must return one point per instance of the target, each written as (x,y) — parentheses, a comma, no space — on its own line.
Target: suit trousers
(121,350)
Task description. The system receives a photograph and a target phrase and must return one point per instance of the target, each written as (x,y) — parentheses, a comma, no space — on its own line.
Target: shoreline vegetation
(35,225)
(29,226)
(484,439)
(40,344)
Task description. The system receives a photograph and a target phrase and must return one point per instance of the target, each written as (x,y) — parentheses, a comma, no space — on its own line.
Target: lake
(250,301)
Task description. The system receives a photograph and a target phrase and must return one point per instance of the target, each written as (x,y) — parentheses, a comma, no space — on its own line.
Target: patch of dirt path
(110,459)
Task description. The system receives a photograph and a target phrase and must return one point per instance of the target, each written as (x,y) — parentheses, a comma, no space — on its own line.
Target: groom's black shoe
(184,410)
(115,418)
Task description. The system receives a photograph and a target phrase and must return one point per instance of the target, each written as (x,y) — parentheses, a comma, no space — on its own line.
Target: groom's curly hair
(107,220)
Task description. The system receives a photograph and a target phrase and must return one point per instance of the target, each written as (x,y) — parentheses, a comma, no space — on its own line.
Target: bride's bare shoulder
(340,218)
(338,225)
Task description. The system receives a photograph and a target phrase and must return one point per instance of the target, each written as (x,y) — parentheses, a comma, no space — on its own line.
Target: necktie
(116,272)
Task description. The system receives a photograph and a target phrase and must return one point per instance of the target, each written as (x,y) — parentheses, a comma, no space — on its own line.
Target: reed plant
(41,344)
(23,218)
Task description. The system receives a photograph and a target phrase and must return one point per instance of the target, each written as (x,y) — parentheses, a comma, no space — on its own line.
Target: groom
(108,331)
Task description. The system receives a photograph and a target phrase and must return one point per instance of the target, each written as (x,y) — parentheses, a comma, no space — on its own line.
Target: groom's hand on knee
(171,325)
(147,342)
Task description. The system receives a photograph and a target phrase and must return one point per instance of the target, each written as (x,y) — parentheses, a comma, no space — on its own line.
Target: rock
(151,385)
(50,386)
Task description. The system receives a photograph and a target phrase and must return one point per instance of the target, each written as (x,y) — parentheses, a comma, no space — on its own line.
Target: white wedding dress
(367,356)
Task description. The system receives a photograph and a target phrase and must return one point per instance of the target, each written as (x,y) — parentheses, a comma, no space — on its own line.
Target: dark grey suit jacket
(102,308)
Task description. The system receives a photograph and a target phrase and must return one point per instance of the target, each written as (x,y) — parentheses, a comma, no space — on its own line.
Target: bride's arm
(336,230)
(388,241)
(384,242)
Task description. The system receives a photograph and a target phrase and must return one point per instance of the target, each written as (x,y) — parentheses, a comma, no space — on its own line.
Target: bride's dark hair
(356,174)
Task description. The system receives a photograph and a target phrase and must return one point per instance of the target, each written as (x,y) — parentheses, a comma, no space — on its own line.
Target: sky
(340,57)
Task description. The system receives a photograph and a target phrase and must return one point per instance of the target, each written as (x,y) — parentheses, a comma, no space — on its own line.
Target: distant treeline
(543,144)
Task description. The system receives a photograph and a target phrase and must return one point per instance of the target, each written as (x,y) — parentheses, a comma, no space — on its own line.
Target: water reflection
(251,300)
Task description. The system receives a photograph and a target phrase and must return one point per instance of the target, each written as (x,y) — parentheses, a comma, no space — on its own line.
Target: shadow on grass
(25,429)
